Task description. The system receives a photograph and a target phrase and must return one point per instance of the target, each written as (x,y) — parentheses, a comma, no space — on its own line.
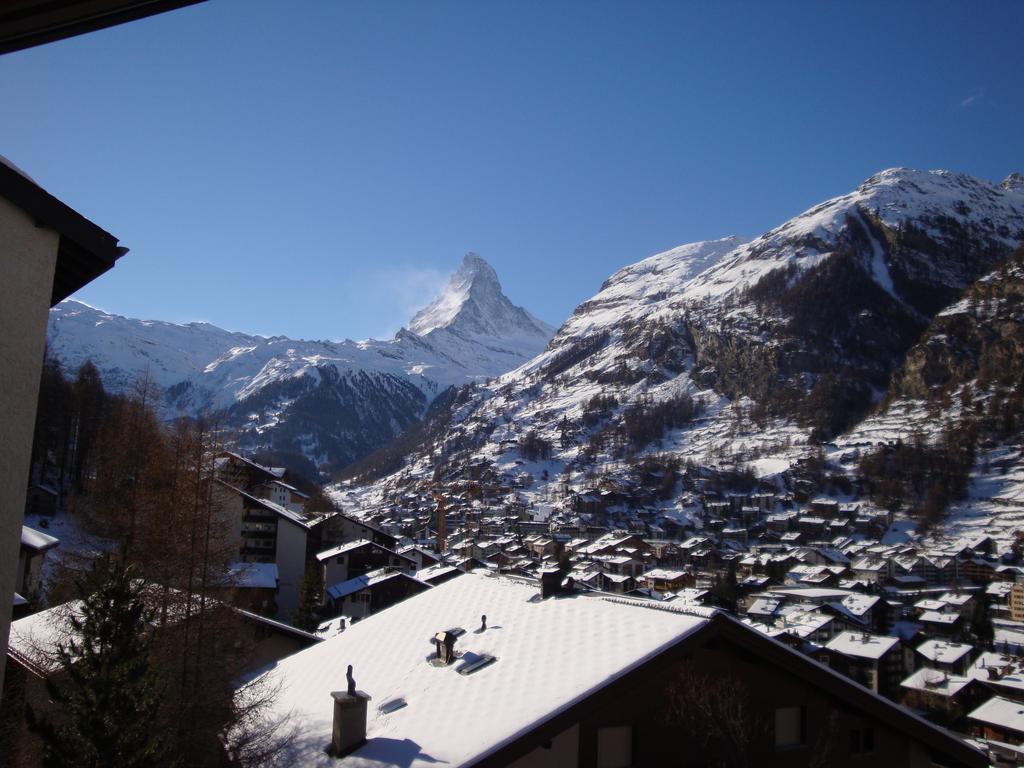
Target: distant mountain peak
(473,304)
(1014,182)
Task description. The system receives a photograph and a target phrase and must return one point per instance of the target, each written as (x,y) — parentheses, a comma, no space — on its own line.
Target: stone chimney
(349,732)
(550,583)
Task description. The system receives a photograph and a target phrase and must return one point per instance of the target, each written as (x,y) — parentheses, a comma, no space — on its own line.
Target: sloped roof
(549,660)
(85,251)
(862,645)
(389,653)
(359,583)
(1002,713)
(37,540)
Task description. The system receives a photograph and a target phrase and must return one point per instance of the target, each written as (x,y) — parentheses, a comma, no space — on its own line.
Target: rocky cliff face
(977,341)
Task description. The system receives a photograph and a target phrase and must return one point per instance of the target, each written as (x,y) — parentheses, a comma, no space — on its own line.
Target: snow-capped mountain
(331,402)
(732,353)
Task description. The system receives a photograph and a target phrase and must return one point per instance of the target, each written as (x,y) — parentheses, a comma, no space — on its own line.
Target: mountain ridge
(777,346)
(257,380)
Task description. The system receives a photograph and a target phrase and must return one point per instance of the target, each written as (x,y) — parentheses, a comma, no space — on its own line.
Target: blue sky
(315,169)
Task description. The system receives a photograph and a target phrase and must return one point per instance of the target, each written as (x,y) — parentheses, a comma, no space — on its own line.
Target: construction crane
(438,496)
(441,523)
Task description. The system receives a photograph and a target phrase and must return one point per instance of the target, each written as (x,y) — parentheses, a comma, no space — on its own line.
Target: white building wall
(291,565)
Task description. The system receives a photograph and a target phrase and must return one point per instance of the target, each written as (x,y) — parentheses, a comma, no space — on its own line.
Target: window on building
(790,728)
(615,747)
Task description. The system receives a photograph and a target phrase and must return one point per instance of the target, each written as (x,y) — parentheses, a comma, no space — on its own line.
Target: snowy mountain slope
(965,377)
(366,391)
(730,352)
(945,211)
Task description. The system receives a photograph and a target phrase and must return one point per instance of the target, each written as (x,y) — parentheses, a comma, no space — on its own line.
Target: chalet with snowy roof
(371,592)
(873,570)
(1000,720)
(421,557)
(617,543)
(252,586)
(666,579)
(942,623)
(430,675)
(1001,673)
(979,570)
(438,573)
(950,657)
(946,698)
(874,661)
(346,561)
(266,532)
(31,554)
(242,472)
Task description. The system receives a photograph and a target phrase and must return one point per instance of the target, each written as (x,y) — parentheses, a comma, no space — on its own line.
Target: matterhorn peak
(472,304)
(476,272)
(1013,183)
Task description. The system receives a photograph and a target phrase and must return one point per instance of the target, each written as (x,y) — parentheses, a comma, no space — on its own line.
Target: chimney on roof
(444,644)
(349,732)
(550,583)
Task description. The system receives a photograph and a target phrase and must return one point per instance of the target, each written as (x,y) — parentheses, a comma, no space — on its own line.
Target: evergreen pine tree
(108,694)
(306,615)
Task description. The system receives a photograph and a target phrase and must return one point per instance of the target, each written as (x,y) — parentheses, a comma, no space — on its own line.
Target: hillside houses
(828,579)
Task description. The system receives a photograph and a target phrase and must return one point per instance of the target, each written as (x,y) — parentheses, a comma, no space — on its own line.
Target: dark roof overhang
(28,23)
(85,251)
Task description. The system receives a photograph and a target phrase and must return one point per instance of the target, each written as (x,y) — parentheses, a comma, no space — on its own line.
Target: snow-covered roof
(345,588)
(434,571)
(936,682)
(999,670)
(332,627)
(765,606)
(666,573)
(690,595)
(548,658)
(956,598)
(298,518)
(862,645)
(812,593)
(858,604)
(1002,713)
(617,578)
(37,540)
(938,617)
(943,652)
(34,638)
(341,549)
(253,575)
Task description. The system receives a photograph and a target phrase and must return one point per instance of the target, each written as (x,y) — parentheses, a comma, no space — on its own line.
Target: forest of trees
(143,493)
(920,477)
